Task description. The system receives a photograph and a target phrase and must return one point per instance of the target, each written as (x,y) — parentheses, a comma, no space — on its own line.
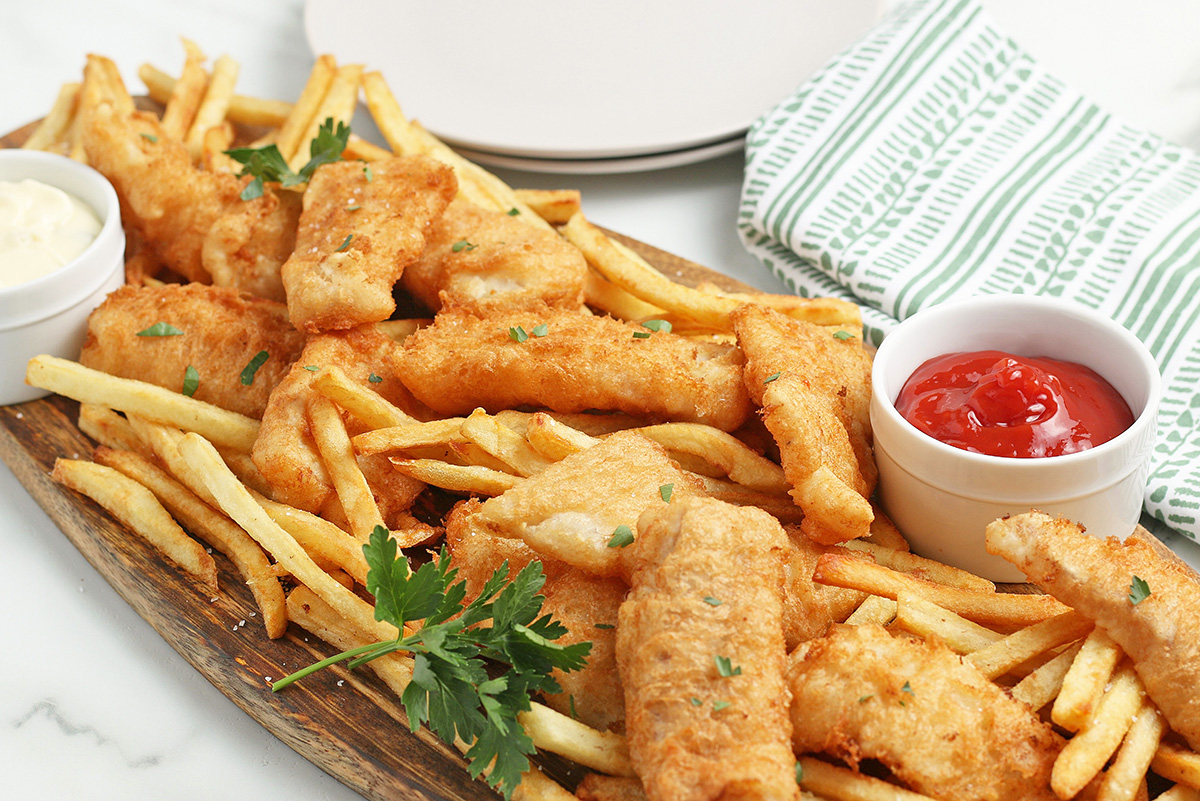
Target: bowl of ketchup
(1005,403)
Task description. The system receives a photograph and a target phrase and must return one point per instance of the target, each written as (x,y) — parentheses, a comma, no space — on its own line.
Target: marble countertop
(94,704)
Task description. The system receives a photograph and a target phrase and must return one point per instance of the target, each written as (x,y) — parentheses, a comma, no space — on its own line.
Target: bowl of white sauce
(62,250)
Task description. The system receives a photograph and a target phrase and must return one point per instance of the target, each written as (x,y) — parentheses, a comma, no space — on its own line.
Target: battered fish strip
(917,707)
(813,384)
(578,362)
(701,654)
(475,254)
(221,332)
(360,227)
(1095,576)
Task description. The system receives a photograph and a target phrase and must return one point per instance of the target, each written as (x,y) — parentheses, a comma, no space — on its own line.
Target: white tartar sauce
(41,229)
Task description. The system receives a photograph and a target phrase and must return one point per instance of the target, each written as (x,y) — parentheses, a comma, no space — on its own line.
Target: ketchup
(1004,405)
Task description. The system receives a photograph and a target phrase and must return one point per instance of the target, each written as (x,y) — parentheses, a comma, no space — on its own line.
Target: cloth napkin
(935,159)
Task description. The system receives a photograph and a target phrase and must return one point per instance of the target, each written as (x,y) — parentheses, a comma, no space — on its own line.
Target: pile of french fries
(177,472)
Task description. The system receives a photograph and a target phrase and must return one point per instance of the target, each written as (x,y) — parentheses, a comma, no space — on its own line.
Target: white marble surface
(92,703)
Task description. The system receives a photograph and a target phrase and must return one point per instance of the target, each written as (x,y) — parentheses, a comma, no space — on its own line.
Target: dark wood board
(355,732)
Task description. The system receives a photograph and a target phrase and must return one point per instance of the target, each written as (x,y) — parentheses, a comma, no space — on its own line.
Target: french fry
(598,787)
(917,614)
(369,407)
(338,105)
(53,128)
(1042,685)
(321,539)
(359,149)
(85,385)
(1085,681)
(607,296)
(725,451)
(136,507)
(187,93)
(555,206)
(989,608)
(211,526)
(1005,654)
(884,532)
(921,567)
(473,479)
(873,609)
(251,111)
(840,784)
(1177,764)
(290,136)
(109,428)
(337,454)
(1179,792)
(214,106)
(1127,774)
(409,436)
(555,440)
(237,502)
(502,442)
(819,311)
(1085,754)
(563,735)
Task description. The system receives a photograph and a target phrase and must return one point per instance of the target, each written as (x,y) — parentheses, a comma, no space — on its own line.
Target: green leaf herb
(622,536)
(711,601)
(267,164)
(375,379)
(907,688)
(160,330)
(540,330)
(842,335)
(799,772)
(250,369)
(514,211)
(658,325)
(191,381)
(1139,590)
(151,138)
(312,368)
(517,334)
(369,173)
(462,244)
(604,626)
(452,690)
(771,378)
(345,243)
(725,668)
(696,701)
(665,491)
(719,705)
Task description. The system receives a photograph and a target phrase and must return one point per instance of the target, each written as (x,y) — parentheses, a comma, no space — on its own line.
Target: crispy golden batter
(285,452)
(467,359)
(808,607)
(587,605)
(930,717)
(246,247)
(1161,634)
(475,254)
(571,509)
(706,587)
(360,227)
(814,389)
(222,331)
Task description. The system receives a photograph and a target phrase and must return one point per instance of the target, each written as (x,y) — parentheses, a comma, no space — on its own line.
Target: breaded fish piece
(570,510)
(701,654)
(360,227)
(286,454)
(247,247)
(813,384)
(917,707)
(476,254)
(587,605)
(222,331)
(578,362)
(1094,576)
(809,608)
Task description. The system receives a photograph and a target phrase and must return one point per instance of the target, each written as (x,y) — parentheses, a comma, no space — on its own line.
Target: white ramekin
(942,497)
(49,314)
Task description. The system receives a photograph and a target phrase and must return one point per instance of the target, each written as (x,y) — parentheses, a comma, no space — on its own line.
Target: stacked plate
(588,87)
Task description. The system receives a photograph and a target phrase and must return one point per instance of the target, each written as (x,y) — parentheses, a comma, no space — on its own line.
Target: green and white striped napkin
(934,159)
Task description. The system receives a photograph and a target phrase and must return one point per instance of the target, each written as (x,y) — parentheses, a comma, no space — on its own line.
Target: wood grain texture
(355,731)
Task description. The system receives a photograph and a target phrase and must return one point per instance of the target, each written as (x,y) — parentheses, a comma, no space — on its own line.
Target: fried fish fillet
(568,361)
(221,332)
(917,707)
(360,227)
(1095,576)
(476,254)
(701,654)
(809,608)
(813,384)
(587,605)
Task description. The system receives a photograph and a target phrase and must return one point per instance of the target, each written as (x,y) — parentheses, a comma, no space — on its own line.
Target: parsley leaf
(514,211)
(462,244)
(711,601)
(1139,590)
(622,536)
(540,330)
(517,334)
(375,379)
(451,689)
(250,369)
(160,330)
(725,668)
(345,243)
(799,772)
(665,491)
(771,377)
(719,705)
(267,164)
(843,335)
(191,381)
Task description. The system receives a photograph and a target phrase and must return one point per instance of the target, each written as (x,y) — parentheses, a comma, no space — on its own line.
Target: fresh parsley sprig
(452,689)
(267,164)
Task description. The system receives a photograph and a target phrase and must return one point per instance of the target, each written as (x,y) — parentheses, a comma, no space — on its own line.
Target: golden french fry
(359,149)
(917,614)
(556,440)
(989,608)
(211,526)
(1085,681)
(338,105)
(337,454)
(152,402)
(237,502)
(474,479)
(610,298)
(1179,792)
(369,407)
(884,532)
(555,206)
(187,93)
(251,111)
(502,442)
(873,609)
(1177,764)
(324,541)
(1085,754)
(840,784)
(921,567)
(563,735)
(598,787)
(1042,685)
(1005,654)
(1125,777)
(723,450)
(136,507)
(214,106)
(53,128)
(109,428)
(290,140)
(819,311)
(407,436)
(392,123)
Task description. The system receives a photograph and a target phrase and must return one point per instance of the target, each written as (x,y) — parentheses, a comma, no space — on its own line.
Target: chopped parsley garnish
(517,334)
(375,379)
(799,772)
(250,369)
(842,335)
(267,164)
(641,334)
(312,368)
(665,491)
(719,705)
(725,668)
(696,701)
(907,688)
(622,536)
(865,698)
(658,325)
(462,244)
(540,330)
(345,243)
(603,626)
(771,377)
(711,601)
(514,211)
(452,690)
(191,381)
(1139,590)
(369,173)
(160,330)
(353,208)
(149,138)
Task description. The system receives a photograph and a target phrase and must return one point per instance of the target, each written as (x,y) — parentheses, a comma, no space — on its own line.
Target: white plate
(618,164)
(587,80)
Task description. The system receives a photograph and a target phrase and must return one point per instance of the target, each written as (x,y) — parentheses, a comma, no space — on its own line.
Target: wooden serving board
(356,732)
